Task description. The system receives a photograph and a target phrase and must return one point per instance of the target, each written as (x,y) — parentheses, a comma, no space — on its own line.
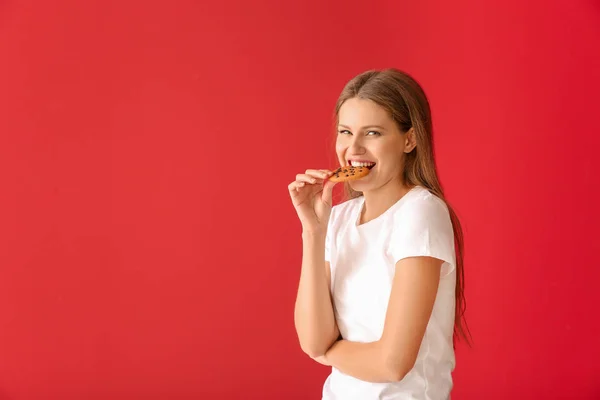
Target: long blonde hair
(406,102)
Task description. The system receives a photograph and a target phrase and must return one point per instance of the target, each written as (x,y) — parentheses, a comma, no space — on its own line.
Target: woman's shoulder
(421,202)
(346,207)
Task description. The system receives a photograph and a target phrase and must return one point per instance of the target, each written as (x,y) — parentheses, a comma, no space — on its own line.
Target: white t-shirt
(363,261)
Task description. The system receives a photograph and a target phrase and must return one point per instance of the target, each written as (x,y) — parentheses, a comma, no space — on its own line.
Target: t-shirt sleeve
(424,228)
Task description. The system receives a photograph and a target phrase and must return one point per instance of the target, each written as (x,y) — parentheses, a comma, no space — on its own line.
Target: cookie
(349,173)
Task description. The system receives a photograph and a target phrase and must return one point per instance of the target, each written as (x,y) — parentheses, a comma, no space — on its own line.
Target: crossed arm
(391,357)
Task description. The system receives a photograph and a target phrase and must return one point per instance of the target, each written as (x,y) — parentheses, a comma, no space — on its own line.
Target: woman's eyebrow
(364,127)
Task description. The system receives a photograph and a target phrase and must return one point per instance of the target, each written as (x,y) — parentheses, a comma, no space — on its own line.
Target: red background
(148,246)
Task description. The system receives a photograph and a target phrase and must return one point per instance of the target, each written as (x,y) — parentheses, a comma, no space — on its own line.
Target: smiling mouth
(368,165)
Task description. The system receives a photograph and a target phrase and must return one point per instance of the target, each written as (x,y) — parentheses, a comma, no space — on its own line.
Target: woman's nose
(356,146)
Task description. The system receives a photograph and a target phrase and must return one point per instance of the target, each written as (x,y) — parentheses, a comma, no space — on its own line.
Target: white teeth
(361,164)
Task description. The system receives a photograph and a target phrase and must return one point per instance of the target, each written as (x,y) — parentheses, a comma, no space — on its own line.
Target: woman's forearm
(313,314)
(364,361)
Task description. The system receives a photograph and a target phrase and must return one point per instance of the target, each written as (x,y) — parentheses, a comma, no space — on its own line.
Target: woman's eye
(369,133)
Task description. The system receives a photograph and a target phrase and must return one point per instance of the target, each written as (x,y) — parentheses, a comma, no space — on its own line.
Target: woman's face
(367,135)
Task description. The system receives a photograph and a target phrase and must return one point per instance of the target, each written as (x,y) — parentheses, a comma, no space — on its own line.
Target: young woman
(380,296)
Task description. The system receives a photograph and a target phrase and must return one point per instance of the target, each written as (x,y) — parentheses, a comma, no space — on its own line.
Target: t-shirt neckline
(361,203)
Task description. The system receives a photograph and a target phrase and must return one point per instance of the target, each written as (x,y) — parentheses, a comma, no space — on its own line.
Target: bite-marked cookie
(349,173)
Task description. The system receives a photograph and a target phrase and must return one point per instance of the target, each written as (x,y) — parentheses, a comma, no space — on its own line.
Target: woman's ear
(410,141)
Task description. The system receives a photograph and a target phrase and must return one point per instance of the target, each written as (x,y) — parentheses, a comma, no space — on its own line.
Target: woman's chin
(359,185)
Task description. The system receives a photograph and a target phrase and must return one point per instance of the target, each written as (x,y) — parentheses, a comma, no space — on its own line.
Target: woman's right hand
(311,195)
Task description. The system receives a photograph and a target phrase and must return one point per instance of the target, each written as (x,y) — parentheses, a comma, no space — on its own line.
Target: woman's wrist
(314,233)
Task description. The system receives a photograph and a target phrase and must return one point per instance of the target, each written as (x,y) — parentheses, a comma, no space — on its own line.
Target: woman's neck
(378,201)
